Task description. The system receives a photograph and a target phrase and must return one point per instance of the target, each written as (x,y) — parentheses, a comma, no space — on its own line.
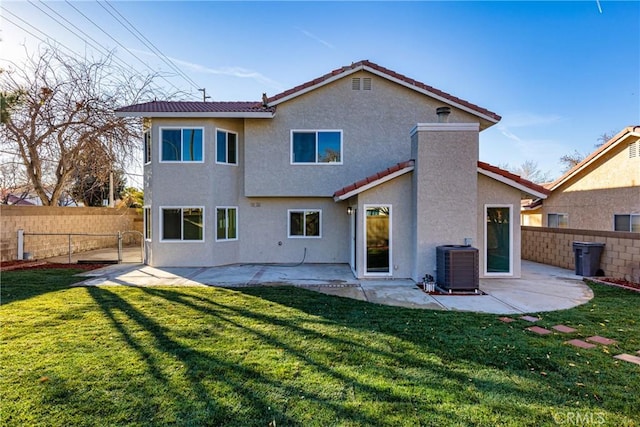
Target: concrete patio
(541,288)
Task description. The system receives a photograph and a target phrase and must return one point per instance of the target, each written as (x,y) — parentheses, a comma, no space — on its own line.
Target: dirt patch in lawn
(43,265)
(620,283)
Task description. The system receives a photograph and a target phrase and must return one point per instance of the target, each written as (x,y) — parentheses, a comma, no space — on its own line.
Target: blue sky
(559,73)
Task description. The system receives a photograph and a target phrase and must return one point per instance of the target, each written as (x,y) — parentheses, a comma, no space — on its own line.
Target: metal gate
(127,246)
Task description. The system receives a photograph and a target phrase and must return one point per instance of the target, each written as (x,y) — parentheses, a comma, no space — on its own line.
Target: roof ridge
(594,154)
(390,73)
(514,177)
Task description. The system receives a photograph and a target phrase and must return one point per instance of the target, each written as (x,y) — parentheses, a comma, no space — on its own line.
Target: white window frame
(181,240)
(147,223)
(160,144)
(558,214)
(316,163)
(630,222)
(226,210)
(304,211)
(225,161)
(511,238)
(364,239)
(147,146)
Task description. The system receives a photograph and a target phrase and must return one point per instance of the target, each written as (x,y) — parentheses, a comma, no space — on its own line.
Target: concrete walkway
(541,288)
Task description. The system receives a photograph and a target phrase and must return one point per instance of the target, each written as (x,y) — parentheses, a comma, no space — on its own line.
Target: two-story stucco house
(361,166)
(600,193)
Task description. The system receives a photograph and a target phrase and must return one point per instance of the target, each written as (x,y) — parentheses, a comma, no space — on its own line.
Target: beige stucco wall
(53,219)
(492,192)
(375,126)
(445,189)
(610,186)
(187,184)
(396,193)
(531,218)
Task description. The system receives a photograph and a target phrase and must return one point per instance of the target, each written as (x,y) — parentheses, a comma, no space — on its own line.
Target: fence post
(70,248)
(21,244)
(119,247)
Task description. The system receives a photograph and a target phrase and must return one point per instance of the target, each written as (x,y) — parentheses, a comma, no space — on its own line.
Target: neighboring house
(362,166)
(12,199)
(600,193)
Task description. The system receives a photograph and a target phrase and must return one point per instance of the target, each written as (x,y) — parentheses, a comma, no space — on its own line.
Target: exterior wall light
(349,210)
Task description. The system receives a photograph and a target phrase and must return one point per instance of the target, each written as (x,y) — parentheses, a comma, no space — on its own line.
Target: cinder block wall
(45,219)
(554,246)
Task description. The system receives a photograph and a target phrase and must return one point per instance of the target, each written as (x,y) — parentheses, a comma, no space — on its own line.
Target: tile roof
(253,107)
(407,166)
(620,136)
(388,73)
(375,179)
(513,177)
(197,107)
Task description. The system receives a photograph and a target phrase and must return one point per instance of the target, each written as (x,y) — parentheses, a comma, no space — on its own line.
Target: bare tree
(58,113)
(529,170)
(570,160)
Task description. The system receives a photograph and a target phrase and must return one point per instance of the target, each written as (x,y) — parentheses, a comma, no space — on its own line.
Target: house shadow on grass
(301,358)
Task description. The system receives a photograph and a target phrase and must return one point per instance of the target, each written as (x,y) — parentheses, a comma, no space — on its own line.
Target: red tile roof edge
(525,182)
(196,106)
(373,178)
(390,73)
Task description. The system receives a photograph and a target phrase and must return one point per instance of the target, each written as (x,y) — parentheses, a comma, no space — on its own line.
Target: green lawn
(290,357)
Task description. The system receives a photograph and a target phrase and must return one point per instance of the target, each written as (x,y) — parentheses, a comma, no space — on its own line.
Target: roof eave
(373,184)
(432,95)
(347,72)
(631,131)
(324,82)
(523,188)
(193,114)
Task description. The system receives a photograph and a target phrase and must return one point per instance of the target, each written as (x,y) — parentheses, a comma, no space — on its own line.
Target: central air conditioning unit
(457,268)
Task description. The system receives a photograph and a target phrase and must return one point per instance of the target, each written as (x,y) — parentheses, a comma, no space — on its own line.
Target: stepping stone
(628,358)
(601,340)
(530,318)
(538,330)
(564,329)
(506,319)
(580,344)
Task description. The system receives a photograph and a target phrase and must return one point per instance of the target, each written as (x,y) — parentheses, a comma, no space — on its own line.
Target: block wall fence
(554,246)
(50,219)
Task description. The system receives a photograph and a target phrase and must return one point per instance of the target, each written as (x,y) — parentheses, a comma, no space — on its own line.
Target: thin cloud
(316,38)
(529,119)
(238,72)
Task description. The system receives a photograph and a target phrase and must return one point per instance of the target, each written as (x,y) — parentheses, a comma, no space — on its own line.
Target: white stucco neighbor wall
(444,189)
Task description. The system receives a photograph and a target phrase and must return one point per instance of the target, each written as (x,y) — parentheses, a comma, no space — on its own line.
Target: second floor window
(316,146)
(182,145)
(147,147)
(226,147)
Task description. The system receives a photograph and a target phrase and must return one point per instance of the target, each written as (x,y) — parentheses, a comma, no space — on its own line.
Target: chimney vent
(443,114)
